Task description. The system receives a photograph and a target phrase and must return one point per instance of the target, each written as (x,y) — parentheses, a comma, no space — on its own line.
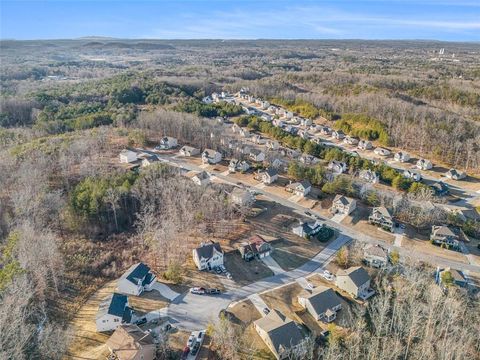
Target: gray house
(322,303)
(382,217)
(376,256)
(443,235)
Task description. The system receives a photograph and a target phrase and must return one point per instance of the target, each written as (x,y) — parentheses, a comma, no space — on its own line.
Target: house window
(115,320)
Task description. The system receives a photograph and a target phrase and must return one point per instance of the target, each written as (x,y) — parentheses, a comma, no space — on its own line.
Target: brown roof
(128,340)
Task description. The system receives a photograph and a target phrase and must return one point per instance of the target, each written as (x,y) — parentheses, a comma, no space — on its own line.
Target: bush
(174,273)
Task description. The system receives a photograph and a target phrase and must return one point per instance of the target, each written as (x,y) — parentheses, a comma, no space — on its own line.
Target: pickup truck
(212,291)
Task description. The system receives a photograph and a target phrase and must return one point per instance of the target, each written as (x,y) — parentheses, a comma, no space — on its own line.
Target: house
(277,163)
(189,151)
(301,188)
(210,156)
(381,151)
(208,256)
(240,148)
(443,235)
(322,303)
(457,277)
(236,128)
(238,165)
(308,159)
(244,132)
(350,140)
(305,122)
(149,160)
(424,164)
(376,256)
(339,135)
(113,312)
(455,174)
(201,178)
(343,205)
(307,230)
(255,247)
(337,167)
(382,217)
(303,134)
(289,114)
(207,100)
(129,342)
(365,145)
(325,130)
(128,156)
(355,281)
(266,117)
(439,188)
(413,175)
(256,155)
(370,176)
(137,279)
(402,156)
(292,153)
(281,334)
(257,139)
(272,109)
(269,176)
(272,144)
(278,123)
(167,142)
(265,105)
(242,197)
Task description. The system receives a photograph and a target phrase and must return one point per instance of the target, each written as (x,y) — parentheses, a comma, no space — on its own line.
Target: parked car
(191,340)
(218,270)
(195,348)
(185,353)
(200,337)
(141,321)
(266,311)
(308,213)
(197,290)
(213,291)
(229,276)
(327,275)
(223,268)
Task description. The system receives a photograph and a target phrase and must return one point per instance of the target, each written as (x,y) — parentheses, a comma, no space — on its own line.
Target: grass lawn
(243,272)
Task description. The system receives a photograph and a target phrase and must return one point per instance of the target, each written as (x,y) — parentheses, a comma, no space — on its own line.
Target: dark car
(141,321)
(266,311)
(195,348)
(185,353)
(308,213)
(214,291)
(218,270)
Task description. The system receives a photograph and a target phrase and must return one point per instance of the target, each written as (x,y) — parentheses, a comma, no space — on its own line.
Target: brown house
(129,342)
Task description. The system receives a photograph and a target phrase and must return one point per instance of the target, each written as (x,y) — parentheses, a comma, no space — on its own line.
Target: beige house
(343,205)
(355,281)
(280,333)
(376,256)
(129,342)
(242,197)
(322,303)
(382,217)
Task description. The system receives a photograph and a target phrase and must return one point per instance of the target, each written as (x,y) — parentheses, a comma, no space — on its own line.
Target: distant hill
(128,45)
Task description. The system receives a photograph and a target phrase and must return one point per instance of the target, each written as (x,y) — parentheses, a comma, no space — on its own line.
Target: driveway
(258,302)
(165,291)
(272,265)
(338,218)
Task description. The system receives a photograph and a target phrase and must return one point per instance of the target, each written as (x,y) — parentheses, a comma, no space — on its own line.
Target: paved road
(191,312)
(355,234)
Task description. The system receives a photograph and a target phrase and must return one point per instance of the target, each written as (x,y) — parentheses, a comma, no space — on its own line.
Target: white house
(337,167)
(256,155)
(128,156)
(350,140)
(167,142)
(322,303)
(269,176)
(305,122)
(413,175)
(272,144)
(257,139)
(402,156)
(381,151)
(339,135)
(244,132)
(208,256)
(343,205)
(455,174)
(210,156)
(424,164)
(189,151)
(242,197)
(301,188)
(113,312)
(325,130)
(306,229)
(376,256)
(238,165)
(308,159)
(370,176)
(201,178)
(365,145)
(136,279)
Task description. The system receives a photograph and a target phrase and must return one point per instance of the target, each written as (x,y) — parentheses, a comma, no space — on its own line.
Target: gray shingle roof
(136,272)
(207,251)
(357,274)
(323,298)
(114,304)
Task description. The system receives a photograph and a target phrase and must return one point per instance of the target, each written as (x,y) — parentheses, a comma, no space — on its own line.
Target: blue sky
(242,19)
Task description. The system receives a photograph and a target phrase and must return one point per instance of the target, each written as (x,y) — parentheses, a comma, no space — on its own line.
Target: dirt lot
(285,300)
(291,251)
(358,220)
(86,342)
(243,272)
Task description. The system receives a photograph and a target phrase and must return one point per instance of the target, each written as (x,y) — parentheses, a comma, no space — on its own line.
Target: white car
(191,340)
(197,290)
(327,275)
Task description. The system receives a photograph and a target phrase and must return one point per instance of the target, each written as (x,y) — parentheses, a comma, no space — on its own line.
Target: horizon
(407,20)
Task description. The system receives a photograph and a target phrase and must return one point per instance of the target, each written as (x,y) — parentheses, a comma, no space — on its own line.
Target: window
(115,320)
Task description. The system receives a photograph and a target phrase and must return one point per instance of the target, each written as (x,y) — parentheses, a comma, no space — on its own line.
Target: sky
(451,20)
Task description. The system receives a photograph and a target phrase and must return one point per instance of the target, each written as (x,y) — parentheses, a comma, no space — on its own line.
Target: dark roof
(357,274)
(136,272)
(152,158)
(271,172)
(114,304)
(440,187)
(206,251)
(343,199)
(282,331)
(323,298)
(383,211)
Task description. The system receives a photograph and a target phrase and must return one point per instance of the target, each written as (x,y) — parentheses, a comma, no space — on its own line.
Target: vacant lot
(243,272)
